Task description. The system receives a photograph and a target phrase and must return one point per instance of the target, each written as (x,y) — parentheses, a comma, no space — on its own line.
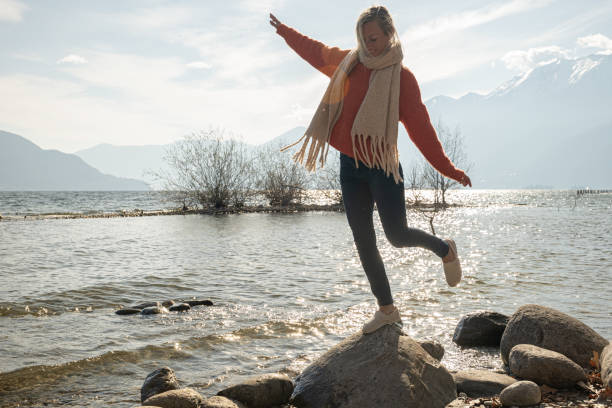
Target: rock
(550,329)
(481,383)
(544,366)
(383,369)
(262,391)
(435,349)
(458,403)
(183,398)
(480,329)
(153,310)
(159,381)
(128,311)
(605,362)
(193,303)
(167,303)
(181,307)
(521,393)
(221,402)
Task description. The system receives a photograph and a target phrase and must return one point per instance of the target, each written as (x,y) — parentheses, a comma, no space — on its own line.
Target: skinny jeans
(361,188)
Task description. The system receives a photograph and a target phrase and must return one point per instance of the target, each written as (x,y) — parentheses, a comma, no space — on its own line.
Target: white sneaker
(381,319)
(452,269)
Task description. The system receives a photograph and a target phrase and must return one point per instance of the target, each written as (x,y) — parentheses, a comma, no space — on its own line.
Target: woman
(369,92)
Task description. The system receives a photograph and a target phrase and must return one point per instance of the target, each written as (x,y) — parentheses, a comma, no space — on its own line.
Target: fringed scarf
(376,119)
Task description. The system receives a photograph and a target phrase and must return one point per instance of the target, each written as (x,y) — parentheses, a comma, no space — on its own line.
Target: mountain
(25,166)
(550,126)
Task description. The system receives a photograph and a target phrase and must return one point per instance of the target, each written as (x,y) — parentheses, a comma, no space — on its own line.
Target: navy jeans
(361,188)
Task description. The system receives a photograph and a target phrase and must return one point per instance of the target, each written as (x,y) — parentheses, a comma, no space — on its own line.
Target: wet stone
(181,307)
(128,311)
(145,305)
(157,382)
(153,310)
(167,303)
(199,303)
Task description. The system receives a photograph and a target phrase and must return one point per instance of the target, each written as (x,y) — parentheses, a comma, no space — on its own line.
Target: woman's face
(376,41)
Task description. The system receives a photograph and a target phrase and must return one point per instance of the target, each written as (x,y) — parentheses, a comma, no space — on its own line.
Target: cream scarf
(376,119)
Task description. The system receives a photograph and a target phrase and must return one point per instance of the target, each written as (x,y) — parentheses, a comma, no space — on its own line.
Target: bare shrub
(280,180)
(328,178)
(209,168)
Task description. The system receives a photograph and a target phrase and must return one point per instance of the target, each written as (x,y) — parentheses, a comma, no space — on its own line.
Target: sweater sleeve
(325,59)
(414,116)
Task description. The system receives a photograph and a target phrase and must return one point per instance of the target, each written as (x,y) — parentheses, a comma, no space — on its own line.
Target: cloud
(470,18)
(595,41)
(12,10)
(524,61)
(156,18)
(72,59)
(199,65)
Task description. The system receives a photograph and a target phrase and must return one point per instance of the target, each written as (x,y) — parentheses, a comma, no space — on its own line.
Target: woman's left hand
(465,181)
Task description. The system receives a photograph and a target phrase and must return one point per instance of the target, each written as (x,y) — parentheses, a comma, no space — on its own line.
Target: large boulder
(544,366)
(550,329)
(480,329)
(481,383)
(183,398)
(262,391)
(221,402)
(382,369)
(520,394)
(605,363)
(161,380)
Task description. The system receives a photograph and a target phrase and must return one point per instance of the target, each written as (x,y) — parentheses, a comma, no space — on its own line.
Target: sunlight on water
(286,288)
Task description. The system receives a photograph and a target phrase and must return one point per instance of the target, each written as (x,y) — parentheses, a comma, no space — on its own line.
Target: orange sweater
(412,112)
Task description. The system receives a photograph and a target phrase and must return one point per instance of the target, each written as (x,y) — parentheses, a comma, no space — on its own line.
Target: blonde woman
(368,94)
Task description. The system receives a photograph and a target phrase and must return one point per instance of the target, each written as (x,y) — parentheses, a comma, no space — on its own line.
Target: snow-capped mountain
(550,126)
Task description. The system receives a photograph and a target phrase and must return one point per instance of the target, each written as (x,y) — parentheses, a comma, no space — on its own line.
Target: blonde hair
(381,15)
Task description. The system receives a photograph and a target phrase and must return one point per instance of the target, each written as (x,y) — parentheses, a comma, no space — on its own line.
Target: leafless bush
(210,169)
(279,178)
(328,178)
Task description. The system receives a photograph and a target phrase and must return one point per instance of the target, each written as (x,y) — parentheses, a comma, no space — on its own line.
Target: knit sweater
(412,112)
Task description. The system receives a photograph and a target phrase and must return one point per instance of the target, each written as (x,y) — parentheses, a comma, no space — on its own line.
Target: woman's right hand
(274,22)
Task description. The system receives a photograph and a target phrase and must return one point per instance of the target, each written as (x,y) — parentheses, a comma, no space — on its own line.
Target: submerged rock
(157,382)
(181,307)
(382,369)
(553,330)
(262,391)
(544,366)
(199,303)
(520,394)
(154,310)
(480,329)
(128,311)
(183,398)
(481,383)
(145,305)
(605,363)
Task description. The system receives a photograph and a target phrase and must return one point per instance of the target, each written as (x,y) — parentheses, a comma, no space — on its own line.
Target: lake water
(286,287)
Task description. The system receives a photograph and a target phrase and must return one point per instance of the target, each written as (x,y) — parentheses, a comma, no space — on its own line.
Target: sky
(74,73)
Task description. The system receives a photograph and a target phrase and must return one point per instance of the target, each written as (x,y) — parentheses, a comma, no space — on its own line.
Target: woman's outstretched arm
(325,59)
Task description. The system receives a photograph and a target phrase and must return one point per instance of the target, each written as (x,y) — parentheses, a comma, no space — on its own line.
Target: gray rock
(521,393)
(550,329)
(458,403)
(181,307)
(221,402)
(480,329)
(183,398)
(159,381)
(544,366)
(153,310)
(128,311)
(262,391)
(193,303)
(167,303)
(435,349)
(481,383)
(605,362)
(382,369)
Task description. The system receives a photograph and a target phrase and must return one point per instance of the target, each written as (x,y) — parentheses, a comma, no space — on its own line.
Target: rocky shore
(551,360)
